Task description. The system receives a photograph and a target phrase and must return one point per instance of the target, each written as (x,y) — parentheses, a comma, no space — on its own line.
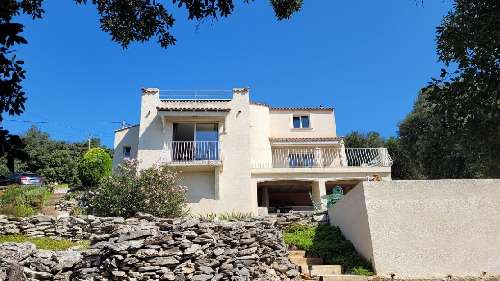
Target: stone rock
(201,277)
(163,261)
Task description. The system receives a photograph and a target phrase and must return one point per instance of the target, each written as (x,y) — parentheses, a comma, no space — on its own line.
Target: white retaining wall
(424,229)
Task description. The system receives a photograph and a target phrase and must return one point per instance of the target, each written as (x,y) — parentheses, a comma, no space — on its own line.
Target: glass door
(207,141)
(195,141)
(183,148)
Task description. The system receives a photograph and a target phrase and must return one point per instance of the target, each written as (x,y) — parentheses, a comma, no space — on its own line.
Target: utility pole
(90,138)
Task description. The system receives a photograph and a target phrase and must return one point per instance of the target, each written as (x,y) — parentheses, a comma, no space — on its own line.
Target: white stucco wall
(427,228)
(322,124)
(152,136)
(235,189)
(260,131)
(201,195)
(125,137)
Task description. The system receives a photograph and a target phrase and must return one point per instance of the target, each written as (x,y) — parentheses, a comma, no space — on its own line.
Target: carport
(285,195)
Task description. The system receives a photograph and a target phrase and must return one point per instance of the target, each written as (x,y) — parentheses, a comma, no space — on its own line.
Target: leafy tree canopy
(363,140)
(457,116)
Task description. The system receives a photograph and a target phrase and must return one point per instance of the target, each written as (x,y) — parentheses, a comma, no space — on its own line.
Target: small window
(126,151)
(301,122)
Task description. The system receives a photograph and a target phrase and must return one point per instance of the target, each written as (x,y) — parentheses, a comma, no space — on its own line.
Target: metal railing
(307,157)
(189,95)
(192,152)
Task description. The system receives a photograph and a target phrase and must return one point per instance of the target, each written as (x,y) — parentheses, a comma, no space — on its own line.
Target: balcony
(192,153)
(321,157)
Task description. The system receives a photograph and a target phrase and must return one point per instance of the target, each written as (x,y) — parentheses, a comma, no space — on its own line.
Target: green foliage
(95,165)
(357,139)
(45,243)
(55,161)
(154,190)
(23,201)
(433,148)
(402,167)
(284,9)
(359,270)
(327,242)
(208,217)
(20,210)
(234,216)
(77,211)
(464,101)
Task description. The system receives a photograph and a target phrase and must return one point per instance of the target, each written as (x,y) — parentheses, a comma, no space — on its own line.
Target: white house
(238,155)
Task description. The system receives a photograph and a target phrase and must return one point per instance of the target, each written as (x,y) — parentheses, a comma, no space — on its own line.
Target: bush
(327,242)
(95,165)
(23,201)
(128,191)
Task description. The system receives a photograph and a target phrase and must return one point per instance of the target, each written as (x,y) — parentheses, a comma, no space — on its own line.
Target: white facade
(240,156)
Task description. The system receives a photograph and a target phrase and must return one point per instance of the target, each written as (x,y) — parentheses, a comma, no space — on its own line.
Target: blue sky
(368,59)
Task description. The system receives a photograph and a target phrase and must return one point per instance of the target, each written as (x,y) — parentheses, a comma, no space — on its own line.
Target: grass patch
(327,242)
(45,243)
(23,201)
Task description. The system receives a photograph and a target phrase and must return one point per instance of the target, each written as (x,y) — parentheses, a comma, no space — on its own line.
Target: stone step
(297,253)
(307,261)
(321,270)
(342,277)
(304,263)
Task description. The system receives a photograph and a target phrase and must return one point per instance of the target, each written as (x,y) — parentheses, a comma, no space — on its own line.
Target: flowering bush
(154,190)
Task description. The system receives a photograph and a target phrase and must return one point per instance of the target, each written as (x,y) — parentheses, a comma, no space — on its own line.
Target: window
(301,122)
(126,151)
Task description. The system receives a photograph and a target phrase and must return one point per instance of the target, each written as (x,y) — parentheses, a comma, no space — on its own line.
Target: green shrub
(23,201)
(45,243)
(234,216)
(77,211)
(95,165)
(154,190)
(359,270)
(327,242)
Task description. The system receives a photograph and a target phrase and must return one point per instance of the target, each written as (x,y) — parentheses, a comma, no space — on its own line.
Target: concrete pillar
(318,191)
(343,155)
(254,202)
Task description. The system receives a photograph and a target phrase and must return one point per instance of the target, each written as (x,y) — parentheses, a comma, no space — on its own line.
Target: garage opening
(285,196)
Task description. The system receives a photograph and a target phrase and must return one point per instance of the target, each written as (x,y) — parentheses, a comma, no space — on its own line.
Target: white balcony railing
(288,157)
(192,152)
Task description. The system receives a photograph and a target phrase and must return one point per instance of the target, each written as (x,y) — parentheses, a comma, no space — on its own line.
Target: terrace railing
(307,157)
(192,152)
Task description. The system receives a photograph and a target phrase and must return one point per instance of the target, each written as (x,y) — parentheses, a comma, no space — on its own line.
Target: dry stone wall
(148,248)
(83,227)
